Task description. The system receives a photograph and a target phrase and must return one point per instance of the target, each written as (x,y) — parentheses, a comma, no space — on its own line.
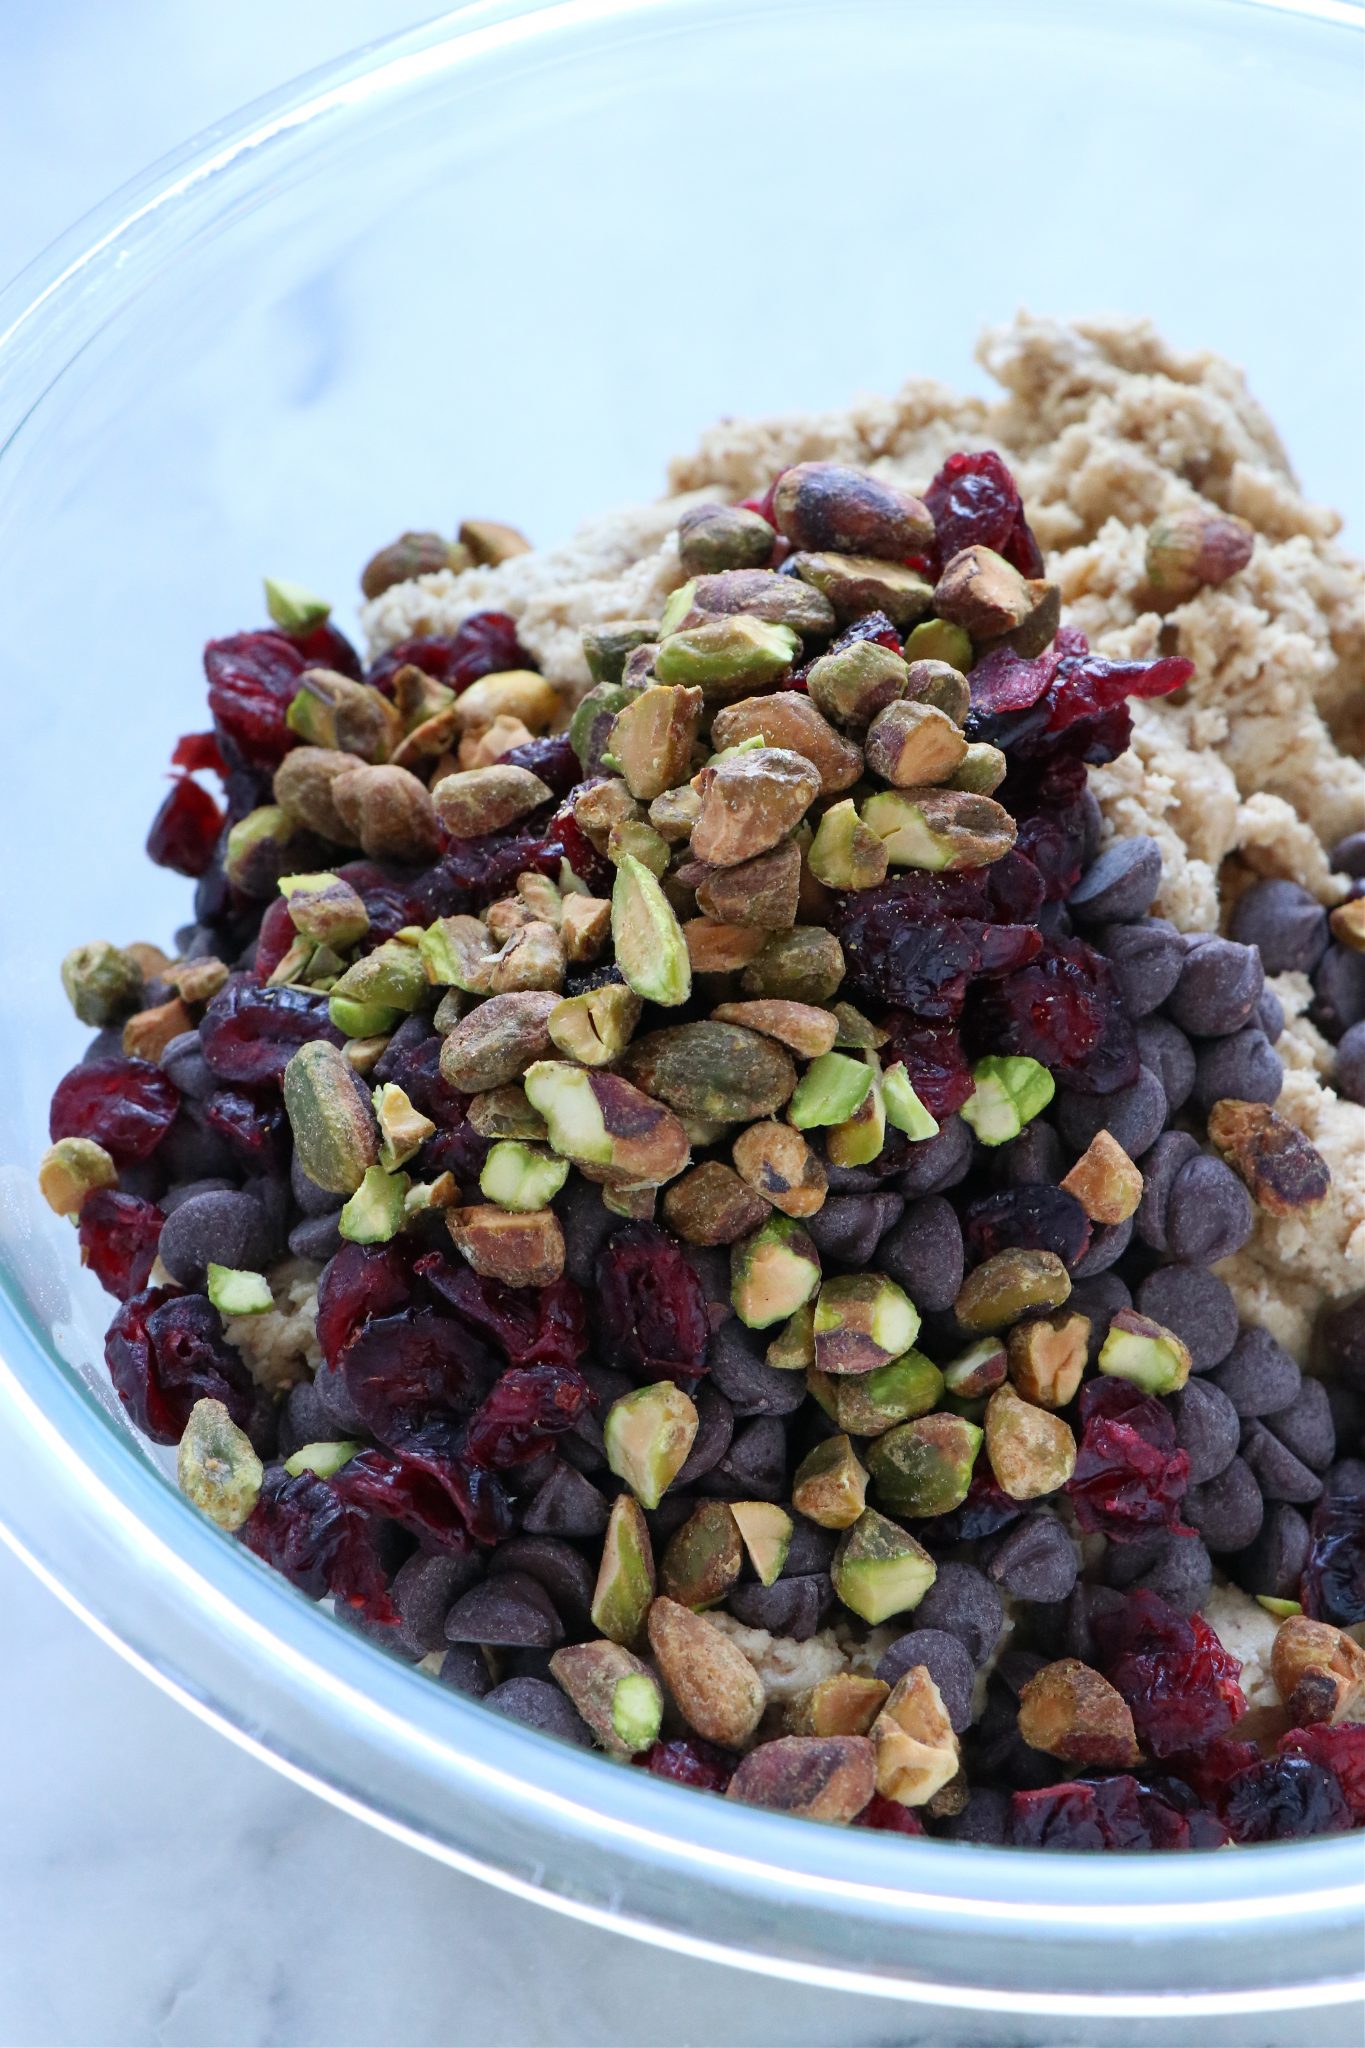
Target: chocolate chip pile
(694,1217)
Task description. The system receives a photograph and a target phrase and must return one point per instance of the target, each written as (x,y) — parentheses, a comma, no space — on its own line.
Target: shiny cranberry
(1179,1682)
(1339,1749)
(690,1761)
(889,1816)
(257,1133)
(360,1282)
(197,751)
(935,1063)
(320,1542)
(1211,1769)
(985,1512)
(1334,1578)
(1053,837)
(484,645)
(478,1496)
(523,1413)
(125,1105)
(250,1033)
(1036,1217)
(530,1325)
(1062,1009)
(653,1306)
(1284,1799)
(185,830)
(975,502)
(1104,1813)
(400,1490)
(403,1368)
(1176,1818)
(1087,686)
(552,759)
(917,941)
(1004,681)
(415,1067)
(1129,1479)
(253,679)
(274,939)
(326,646)
(118,1237)
(165,1351)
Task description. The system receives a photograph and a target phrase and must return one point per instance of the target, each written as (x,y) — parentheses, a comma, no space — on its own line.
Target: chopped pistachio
(1031,1452)
(323,1460)
(521,1177)
(982,769)
(903,1107)
(710,1204)
(880,1570)
(590,728)
(917,1754)
(334,1133)
(859,1139)
(1047,1357)
(716,537)
(403,1130)
(764,891)
(865,1404)
(939,829)
(1144,1352)
(726,657)
(650,949)
(293,608)
(793,1348)
(70,1170)
(714,948)
(652,738)
(750,800)
(862,1320)
(858,584)
(519,1248)
(634,1201)
(334,711)
(852,685)
(195,981)
(648,1434)
(530,959)
(585,927)
(362,1020)
(790,721)
(605,647)
(980,591)
(426,1195)
(237,1293)
(147,1033)
(805,965)
(625,1578)
(1105,1181)
(675,813)
(912,744)
(937,640)
(216,1467)
(374,1212)
(325,909)
(600,1120)
(703,1558)
(924,1467)
(1008,1090)
(766,1532)
(846,853)
(617,1695)
(362,1055)
(978,1370)
(103,983)
(801,1027)
(1009,1285)
(393,975)
(773,1273)
(830,1091)
(634,837)
(595,1027)
(845,1703)
(776,1160)
(830,1485)
(506,1113)
(855,1031)
(1281,1609)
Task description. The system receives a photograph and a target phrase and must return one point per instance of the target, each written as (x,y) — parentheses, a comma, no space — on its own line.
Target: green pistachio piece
(648,1434)
(1009,1285)
(1146,1353)
(412,554)
(216,1467)
(632,836)
(103,983)
(72,1169)
(518,1176)
(845,853)
(793,1348)
(858,584)
(325,909)
(903,1107)
(941,687)
(476,801)
(924,1467)
(766,1532)
(1281,1609)
(652,739)
(978,1370)
(651,951)
(716,537)
(860,1138)
(727,657)
(457,952)
(880,1570)
(830,1091)
(625,1579)
(392,975)
(403,1130)
(1031,1451)
(982,769)
(851,686)
(292,608)
(719,1072)
(1008,1090)
(362,1020)
(375,1211)
(830,1485)
(704,1558)
(804,965)
(595,1027)
(234,1292)
(590,727)
(619,1697)
(605,648)
(936,640)
(324,1460)
(773,1273)
(760,594)
(600,1120)
(855,1031)
(257,849)
(912,744)
(676,607)
(939,829)
(862,1320)
(334,712)
(865,1404)
(334,1134)
(426,1195)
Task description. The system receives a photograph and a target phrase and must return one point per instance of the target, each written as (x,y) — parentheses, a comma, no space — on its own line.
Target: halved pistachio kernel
(801,1027)
(71,1169)
(912,744)
(710,1204)
(605,647)
(632,836)
(334,711)
(364,1021)
(938,640)
(758,594)
(675,813)
(521,1177)
(793,1348)
(1105,1181)
(983,593)
(103,983)
(403,1129)
(750,800)
(1047,1357)
(712,1683)
(917,1753)
(1281,1609)
(880,1570)
(859,1139)
(844,1703)
(652,738)
(816,1777)
(858,584)
(924,1467)
(977,1371)
(790,721)
(648,1434)
(830,1091)
(531,959)
(195,981)
(590,728)
(216,1467)
(498,1041)
(292,607)
(845,853)
(519,1248)
(939,829)
(595,1027)
(1319,1672)
(475,801)
(677,605)
(1031,1452)
(726,657)
(714,948)
(766,1532)
(854,1031)
(236,1292)
(804,965)
(375,1212)
(779,1164)
(619,1697)
(598,1120)
(147,1033)
(764,891)
(491,542)
(456,952)
(427,1195)
(412,554)
(981,770)
(1145,1353)
(862,1321)
(509,693)
(716,537)
(1008,1090)
(865,1404)
(325,909)
(853,684)
(940,686)
(393,975)
(715,1071)
(625,1577)
(585,927)
(650,949)
(773,1273)
(904,1110)
(362,1055)
(637,1202)
(334,1133)
(830,1485)
(323,1459)
(1068,1710)
(257,849)
(1009,1285)
(703,1558)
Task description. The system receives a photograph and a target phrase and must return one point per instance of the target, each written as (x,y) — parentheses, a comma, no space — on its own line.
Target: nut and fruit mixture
(691,1178)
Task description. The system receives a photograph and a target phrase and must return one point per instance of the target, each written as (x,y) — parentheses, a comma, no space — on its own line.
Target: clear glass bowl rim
(243,1651)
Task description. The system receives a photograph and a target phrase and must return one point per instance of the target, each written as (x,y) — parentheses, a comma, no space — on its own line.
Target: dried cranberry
(415,1067)
(690,1761)
(527,1408)
(1004,681)
(185,830)
(1129,1479)
(915,942)
(481,870)
(392,897)
(1176,1818)
(320,1542)
(253,679)
(1334,1578)
(484,644)
(274,939)
(889,1816)
(404,1368)
(975,502)
(388,1484)
(1036,1217)
(1087,686)
(165,1351)
(118,1236)
(1105,1813)
(478,1496)
(1053,837)
(1285,1798)
(530,1325)
(125,1105)
(360,1282)
(256,1132)
(1339,1749)
(326,646)
(1210,1770)
(1062,1009)
(935,1063)
(552,759)
(250,1033)
(653,1306)
(196,751)
(457,1149)
(1179,1681)
(986,1510)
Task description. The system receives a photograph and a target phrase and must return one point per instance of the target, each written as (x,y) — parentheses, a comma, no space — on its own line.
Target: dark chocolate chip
(1134,1117)
(715,1430)
(1348,1075)
(923,1253)
(755,1466)
(1167,1160)
(1228,1510)
(1258,1375)
(425,1589)
(1108,1243)
(947,1663)
(1338,992)
(846,1228)
(1197,1305)
(1278,1473)
(1305,1427)
(1164,1048)
(1219,987)
(1275,1562)
(736,1367)
(1207,1428)
(1146,959)
(563,1572)
(566,1505)
(464,1669)
(793,1607)
(1284,922)
(939,1163)
(539,1704)
(1036,1560)
(1209,1214)
(963,1603)
(1242,1068)
(512,1611)
(1120,885)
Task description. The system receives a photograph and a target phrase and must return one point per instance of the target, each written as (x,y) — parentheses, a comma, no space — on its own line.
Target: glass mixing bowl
(506,264)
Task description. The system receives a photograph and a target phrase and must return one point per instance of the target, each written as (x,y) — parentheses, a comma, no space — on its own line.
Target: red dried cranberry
(256,1133)
(274,939)
(527,1408)
(763,503)
(1285,1798)
(915,942)
(123,1104)
(484,645)
(326,646)
(871,626)
(1036,1218)
(1004,681)
(1179,1681)
(118,1236)
(165,1351)
(404,1368)
(975,502)
(478,1496)
(1104,1813)
(935,1063)
(1129,1479)
(530,1325)
(1176,1818)
(1087,685)
(185,830)
(320,1542)
(250,1033)
(360,1282)
(889,1816)
(415,1067)
(1209,1771)
(392,897)
(1062,1009)
(388,1484)
(196,751)
(253,679)
(1339,1749)
(458,1149)
(552,759)
(653,1306)
(690,1761)
(1053,837)
(1334,1578)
